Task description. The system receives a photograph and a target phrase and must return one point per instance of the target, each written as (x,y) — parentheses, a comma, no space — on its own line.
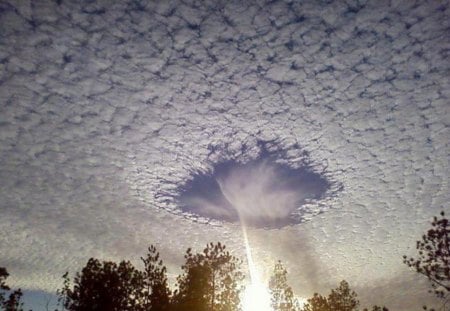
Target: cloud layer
(108,107)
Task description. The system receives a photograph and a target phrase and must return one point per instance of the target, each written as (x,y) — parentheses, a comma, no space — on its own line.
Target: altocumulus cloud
(109,110)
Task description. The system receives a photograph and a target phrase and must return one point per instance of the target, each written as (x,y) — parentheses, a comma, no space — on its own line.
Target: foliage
(156,293)
(433,260)
(316,303)
(13,301)
(282,296)
(211,281)
(342,298)
(377,308)
(193,290)
(104,286)
(3,287)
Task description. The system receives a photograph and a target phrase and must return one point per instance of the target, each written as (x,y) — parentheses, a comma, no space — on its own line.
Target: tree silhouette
(3,287)
(193,290)
(211,281)
(104,286)
(433,260)
(342,298)
(156,293)
(377,308)
(13,301)
(316,303)
(282,296)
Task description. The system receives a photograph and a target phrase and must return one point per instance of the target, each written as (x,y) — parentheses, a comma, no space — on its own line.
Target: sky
(323,126)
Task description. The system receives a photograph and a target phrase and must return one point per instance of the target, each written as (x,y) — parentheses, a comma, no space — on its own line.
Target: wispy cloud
(262,195)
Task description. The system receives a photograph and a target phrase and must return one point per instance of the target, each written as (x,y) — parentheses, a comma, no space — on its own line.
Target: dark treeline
(213,281)
(11,302)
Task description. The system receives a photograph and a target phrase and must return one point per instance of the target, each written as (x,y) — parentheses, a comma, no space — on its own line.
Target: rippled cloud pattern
(109,108)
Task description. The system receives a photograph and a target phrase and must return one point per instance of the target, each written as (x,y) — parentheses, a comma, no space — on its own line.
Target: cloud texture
(108,107)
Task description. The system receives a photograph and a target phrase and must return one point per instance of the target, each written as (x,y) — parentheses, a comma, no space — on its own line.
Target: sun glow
(256,295)
(256,298)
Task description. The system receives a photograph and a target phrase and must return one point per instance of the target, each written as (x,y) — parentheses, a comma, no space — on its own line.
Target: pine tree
(156,292)
(434,256)
(317,303)
(13,301)
(211,281)
(104,286)
(282,296)
(342,298)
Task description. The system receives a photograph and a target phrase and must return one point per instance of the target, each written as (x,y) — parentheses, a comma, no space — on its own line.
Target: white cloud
(103,115)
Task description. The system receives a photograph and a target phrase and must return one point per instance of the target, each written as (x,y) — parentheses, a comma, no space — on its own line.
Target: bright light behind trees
(256,298)
(256,295)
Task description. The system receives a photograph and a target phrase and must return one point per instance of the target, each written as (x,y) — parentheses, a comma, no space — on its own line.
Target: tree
(377,308)
(342,298)
(282,296)
(13,302)
(192,293)
(104,286)
(211,281)
(3,287)
(156,293)
(316,303)
(433,260)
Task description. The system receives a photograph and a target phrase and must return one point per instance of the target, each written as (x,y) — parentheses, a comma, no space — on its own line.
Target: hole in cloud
(263,192)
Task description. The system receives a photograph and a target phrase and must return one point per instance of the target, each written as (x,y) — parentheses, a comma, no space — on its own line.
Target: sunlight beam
(256,296)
